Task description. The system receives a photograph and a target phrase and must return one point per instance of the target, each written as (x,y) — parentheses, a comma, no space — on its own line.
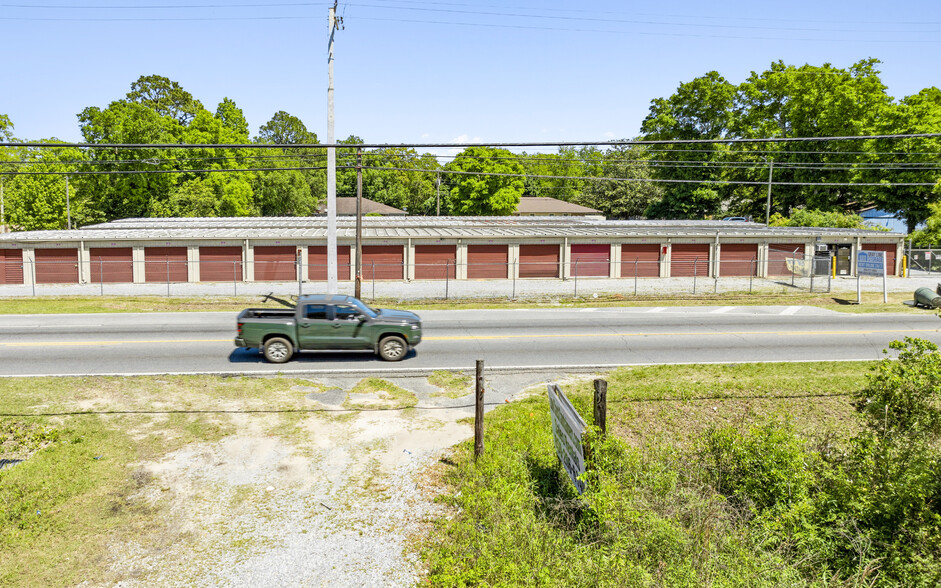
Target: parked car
(328,322)
(736,218)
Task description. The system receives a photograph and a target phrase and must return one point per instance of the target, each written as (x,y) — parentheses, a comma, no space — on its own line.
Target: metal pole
(751,273)
(332,287)
(438,196)
(168,277)
(235,282)
(373,280)
(358,287)
(299,263)
(695,273)
(101,276)
(576,278)
(768,204)
(830,272)
(479,410)
(447,274)
(3,216)
(635,277)
(513,268)
(68,208)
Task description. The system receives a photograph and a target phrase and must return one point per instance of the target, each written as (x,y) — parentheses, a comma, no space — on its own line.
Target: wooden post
(601,405)
(479,413)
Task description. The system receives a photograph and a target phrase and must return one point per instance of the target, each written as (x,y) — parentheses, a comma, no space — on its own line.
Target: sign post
(871,263)
(567,429)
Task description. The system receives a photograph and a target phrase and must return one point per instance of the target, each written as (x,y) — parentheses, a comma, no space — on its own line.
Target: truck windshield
(364,308)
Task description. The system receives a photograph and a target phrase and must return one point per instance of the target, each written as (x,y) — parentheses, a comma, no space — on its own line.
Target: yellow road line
(494,337)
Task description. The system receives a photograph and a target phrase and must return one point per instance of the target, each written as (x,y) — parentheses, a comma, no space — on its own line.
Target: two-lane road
(515,338)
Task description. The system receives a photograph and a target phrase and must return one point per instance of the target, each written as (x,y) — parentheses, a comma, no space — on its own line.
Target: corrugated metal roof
(423,227)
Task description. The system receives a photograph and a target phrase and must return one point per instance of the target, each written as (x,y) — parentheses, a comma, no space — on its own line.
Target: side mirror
(361,318)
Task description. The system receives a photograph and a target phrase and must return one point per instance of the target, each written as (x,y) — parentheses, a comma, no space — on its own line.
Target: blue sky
(412,71)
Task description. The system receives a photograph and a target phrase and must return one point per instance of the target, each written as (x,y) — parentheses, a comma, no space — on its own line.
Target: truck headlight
(416,327)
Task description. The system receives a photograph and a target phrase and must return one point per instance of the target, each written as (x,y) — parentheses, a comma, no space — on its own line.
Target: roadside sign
(567,429)
(871,263)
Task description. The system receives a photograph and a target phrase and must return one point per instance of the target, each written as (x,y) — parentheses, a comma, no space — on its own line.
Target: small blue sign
(870,263)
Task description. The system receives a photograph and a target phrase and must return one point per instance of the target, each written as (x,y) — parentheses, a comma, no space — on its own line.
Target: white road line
(657,309)
(790,310)
(722,310)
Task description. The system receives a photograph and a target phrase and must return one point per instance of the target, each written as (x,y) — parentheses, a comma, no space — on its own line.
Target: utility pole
(68,208)
(331,164)
(3,216)
(438,196)
(768,204)
(359,222)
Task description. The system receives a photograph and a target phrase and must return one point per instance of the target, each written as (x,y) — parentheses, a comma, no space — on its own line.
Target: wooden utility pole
(479,411)
(359,222)
(332,287)
(601,405)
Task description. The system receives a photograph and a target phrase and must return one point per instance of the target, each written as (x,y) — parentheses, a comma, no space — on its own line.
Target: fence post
(513,268)
(813,262)
(695,273)
(601,405)
(479,410)
(635,277)
(101,277)
(830,271)
(447,275)
(33,281)
(168,275)
(576,278)
(235,281)
(299,266)
(374,279)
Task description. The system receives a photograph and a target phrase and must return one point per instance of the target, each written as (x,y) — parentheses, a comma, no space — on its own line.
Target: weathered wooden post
(601,405)
(479,411)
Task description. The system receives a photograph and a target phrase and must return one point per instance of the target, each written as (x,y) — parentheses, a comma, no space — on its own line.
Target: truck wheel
(278,350)
(392,348)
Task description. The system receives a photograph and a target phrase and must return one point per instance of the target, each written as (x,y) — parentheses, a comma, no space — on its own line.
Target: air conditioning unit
(821,248)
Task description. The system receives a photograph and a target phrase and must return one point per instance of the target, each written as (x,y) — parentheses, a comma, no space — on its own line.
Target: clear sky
(411,71)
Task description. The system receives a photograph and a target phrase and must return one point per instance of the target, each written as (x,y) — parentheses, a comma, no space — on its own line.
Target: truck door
(350,332)
(314,330)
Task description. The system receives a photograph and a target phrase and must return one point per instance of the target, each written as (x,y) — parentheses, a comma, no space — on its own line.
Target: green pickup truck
(323,321)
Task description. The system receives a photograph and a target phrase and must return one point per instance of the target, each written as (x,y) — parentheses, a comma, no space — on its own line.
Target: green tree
(476,193)
(165,97)
(623,193)
(233,119)
(285,129)
(700,109)
(819,218)
(35,197)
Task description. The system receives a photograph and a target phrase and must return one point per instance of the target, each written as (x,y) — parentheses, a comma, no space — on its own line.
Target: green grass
(452,384)
(378,394)
(844,302)
(515,519)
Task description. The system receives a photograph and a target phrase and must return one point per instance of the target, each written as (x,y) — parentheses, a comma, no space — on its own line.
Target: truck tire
(392,348)
(278,350)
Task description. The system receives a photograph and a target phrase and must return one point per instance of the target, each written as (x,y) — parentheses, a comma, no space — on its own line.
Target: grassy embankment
(116,304)
(746,475)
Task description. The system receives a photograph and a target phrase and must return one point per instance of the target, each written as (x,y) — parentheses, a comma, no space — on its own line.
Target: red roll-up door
(688,260)
(434,262)
(11,266)
(317,263)
(387,261)
(890,250)
(643,258)
(275,263)
(220,264)
(111,264)
(56,266)
(487,261)
(591,260)
(738,259)
(539,261)
(779,253)
(165,264)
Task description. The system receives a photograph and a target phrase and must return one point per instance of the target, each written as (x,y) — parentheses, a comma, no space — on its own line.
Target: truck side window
(315,311)
(346,313)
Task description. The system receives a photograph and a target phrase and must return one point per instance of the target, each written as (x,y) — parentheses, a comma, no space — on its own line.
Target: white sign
(870,263)
(567,429)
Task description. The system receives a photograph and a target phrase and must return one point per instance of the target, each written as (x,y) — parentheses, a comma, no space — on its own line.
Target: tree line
(668,180)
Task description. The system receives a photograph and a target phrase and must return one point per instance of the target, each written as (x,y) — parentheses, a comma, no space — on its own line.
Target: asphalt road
(510,340)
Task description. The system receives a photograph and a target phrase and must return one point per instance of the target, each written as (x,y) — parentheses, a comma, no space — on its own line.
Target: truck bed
(267,313)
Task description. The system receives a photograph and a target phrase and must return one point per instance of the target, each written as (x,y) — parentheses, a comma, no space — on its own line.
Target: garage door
(689,260)
(539,261)
(111,265)
(387,261)
(165,264)
(642,258)
(56,266)
(11,266)
(738,259)
(779,254)
(890,250)
(487,261)
(435,262)
(591,260)
(317,263)
(220,264)
(275,263)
